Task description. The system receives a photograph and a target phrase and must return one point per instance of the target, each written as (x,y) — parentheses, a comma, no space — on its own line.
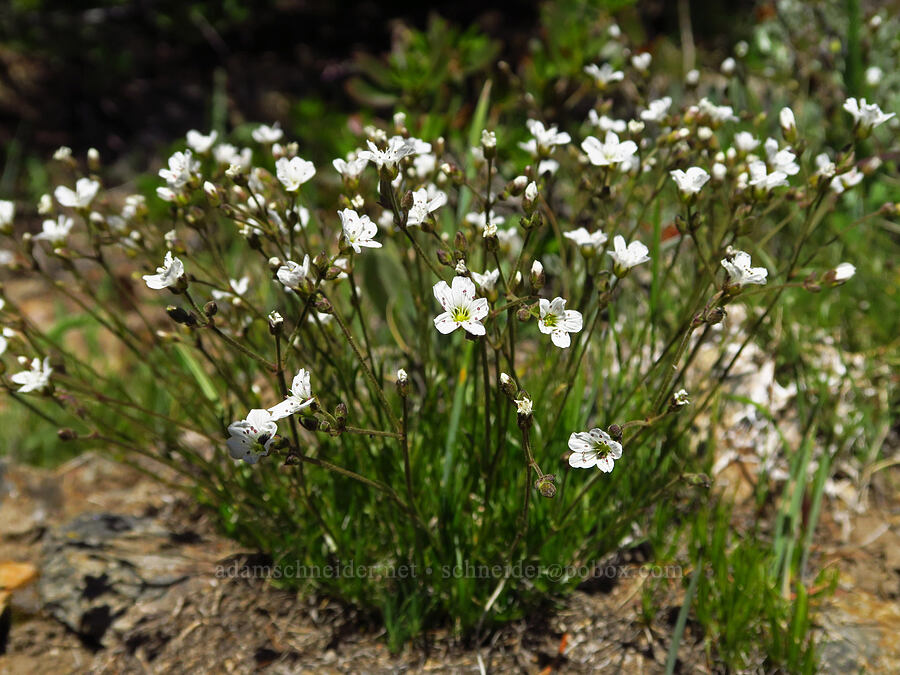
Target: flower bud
(546,485)
(321,262)
(93,159)
(323,306)
(517,185)
(276,323)
(445,258)
(537,275)
(615,432)
(340,413)
(460,243)
(714,316)
(179,315)
(508,386)
(67,434)
(788,124)
(210,308)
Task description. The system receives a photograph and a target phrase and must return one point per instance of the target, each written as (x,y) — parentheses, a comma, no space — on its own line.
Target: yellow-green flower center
(550,320)
(460,314)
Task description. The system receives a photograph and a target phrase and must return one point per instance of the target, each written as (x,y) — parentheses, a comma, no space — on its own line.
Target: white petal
(445,323)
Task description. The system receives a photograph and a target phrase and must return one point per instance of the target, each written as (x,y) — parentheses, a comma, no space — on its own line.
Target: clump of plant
(438,380)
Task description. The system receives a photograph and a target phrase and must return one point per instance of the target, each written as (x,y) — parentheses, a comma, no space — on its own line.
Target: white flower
(56,231)
(605,123)
(301,396)
(866,115)
(846,180)
(6,257)
(781,160)
(238,288)
(294,172)
(7,212)
(689,182)
(593,448)
(628,256)
(62,153)
(545,138)
(166,276)
(479,220)
(728,66)
(251,438)
(873,75)
(557,321)
(291,275)
(844,271)
(642,61)
(586,239)
(760,178)
(424,164)
(487,281)
(719,171)
(79,198)
(745,141)
(604,74)
(531,191)
(422,206)
(358,230)
(692,77)
(610,151)
(166,194)
(740,272)
(488,139)
(267,134)
(5,334)
(398,148)
(201,143)
(680,398)
(35,379)
(716,113)
(657,110)
(351,168)
(402,376)
(461,307)
(228,155)
(179,172)
(524,406)
(824,166)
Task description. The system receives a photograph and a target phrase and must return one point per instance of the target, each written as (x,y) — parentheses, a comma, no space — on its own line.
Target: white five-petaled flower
(292,274)
(300,397)
(524,406)
(237,288)
(628,256)
(866,115)
(201,143)
(740,272)
(745,141)
(79,198)
(294,172)
(267,134)
(461,307)
(610,151)
(35,379)
(251,438)
(422,206)
(350,168)
(781,160)
(604,74)
(358,230)
(689,182)
(680,398)
(657,110)
(716,113)
(557,321)
(642,61)
(56,231)
(544,138)
(762,179)
(593,448)
(586,239)
(7,212)
(397,148)
(488,280)
(178,173)
(166,276)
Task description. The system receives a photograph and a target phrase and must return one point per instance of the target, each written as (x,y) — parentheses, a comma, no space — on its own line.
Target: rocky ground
(116,573)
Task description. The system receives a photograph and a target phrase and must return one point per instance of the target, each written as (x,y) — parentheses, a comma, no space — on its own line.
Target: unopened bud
(210,308)
(508,386)
(546,485)
(323,306)
(615,432)
(537,275)
(179,315)
(276,323)
(67,434)
(310,423)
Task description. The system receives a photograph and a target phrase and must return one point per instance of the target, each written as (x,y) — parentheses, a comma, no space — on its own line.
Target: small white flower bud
(692,78)
(399,119)
(728,66)
(531,192)
(635,127)
(62,153)
(402,376)
(358,202)
(45,205)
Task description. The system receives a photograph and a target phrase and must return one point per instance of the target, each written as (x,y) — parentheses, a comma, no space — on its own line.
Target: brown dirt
(202,623)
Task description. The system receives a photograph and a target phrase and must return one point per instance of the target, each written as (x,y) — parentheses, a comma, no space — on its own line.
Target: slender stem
(365,366)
